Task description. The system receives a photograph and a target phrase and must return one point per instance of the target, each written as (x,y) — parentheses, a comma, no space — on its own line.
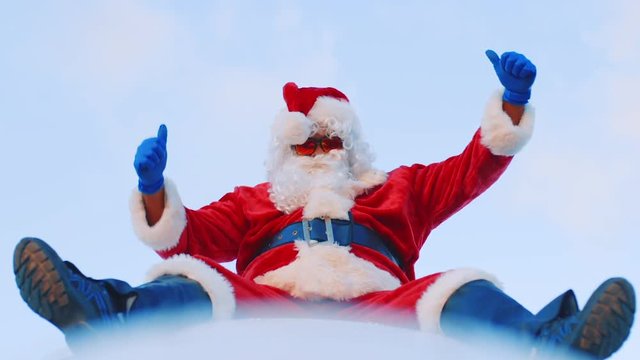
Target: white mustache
(335,159)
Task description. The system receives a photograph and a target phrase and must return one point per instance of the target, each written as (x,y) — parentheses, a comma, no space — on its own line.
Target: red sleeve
(443,188)
(214,231)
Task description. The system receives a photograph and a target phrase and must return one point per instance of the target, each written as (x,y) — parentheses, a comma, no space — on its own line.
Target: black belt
(344,233)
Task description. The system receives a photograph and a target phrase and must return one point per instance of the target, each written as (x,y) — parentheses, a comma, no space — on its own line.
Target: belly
(328,271)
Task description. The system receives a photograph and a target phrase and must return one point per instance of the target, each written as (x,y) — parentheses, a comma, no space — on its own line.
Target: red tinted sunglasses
(309,147)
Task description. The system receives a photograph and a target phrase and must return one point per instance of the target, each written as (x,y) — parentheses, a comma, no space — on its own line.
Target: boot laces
(557,331)
(92,291)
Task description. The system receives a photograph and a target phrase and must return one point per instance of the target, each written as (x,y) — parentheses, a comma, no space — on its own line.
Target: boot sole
(39,276)
(606,319)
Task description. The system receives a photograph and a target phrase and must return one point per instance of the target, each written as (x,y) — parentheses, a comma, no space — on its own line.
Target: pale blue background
(83,82)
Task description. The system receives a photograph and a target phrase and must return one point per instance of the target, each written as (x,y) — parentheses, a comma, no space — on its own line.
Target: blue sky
(82,83)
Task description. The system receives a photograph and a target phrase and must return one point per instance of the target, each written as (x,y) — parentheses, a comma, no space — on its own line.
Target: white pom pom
(291,127)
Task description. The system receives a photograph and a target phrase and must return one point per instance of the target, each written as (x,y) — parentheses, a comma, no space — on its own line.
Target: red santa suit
(401,207)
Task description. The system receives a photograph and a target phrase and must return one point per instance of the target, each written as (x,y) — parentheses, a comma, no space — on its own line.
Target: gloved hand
(150,161)
(516,73)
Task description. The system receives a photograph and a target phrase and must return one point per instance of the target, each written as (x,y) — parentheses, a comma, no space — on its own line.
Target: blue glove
(516,73)
(150,161)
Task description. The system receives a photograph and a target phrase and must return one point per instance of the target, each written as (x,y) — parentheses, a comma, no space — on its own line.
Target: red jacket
(405,209)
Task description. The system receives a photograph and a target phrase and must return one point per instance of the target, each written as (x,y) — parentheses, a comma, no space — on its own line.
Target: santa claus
(327,228)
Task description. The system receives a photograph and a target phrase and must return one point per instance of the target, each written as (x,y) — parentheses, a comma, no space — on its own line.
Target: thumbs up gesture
(516,73)
(150,162)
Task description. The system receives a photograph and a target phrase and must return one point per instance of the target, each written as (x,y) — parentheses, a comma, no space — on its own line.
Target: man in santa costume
(327,228)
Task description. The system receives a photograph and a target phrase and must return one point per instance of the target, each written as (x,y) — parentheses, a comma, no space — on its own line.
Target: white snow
(306,339)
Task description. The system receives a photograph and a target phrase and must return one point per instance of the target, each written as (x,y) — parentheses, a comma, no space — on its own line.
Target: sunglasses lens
(334,143)
(306,149)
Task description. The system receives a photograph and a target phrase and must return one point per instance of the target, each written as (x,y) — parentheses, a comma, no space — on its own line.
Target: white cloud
(223,19)
(619,35)
(578,192)
(622,104)
(619,40)
(116,43)
(584,177)
(287,18)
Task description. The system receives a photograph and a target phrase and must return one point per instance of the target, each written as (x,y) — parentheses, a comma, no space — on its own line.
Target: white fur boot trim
(217,286)
(429,307)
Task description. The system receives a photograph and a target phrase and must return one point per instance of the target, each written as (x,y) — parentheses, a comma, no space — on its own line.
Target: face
(314,177)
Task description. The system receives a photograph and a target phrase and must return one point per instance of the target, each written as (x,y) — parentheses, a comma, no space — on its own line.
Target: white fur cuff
(165,234)
(499,134)
(429,307)
(217,286)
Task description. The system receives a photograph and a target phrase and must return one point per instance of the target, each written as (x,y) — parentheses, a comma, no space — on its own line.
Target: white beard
(322,184)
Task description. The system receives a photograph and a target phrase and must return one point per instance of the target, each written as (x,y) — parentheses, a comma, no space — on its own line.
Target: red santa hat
(303,99)
(309,108)
(312,108)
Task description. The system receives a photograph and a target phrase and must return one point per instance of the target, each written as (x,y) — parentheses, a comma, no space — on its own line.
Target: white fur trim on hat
(291,127)
(499,134)
(429,307)
(165,234)
(337,116)
(217,286)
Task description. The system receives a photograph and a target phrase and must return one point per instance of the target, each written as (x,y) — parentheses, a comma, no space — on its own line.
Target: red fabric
(395,307)
(405,209)
(303,99)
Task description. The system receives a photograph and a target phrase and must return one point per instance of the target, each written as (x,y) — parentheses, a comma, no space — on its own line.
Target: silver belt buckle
(306,232)
(329,230)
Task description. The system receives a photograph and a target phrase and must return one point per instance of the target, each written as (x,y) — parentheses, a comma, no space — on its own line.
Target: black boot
(598,330)
(59,292)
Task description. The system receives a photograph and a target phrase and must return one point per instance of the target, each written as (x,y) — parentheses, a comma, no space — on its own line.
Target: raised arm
(161,220)
(506,126)
(150,162)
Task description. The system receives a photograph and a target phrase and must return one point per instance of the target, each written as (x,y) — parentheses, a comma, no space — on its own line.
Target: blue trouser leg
(170,295)
(599,329)
(479,305)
